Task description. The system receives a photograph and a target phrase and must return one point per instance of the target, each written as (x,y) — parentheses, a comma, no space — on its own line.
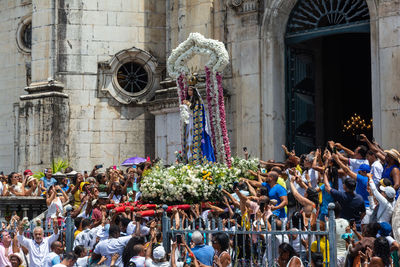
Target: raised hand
(363,138)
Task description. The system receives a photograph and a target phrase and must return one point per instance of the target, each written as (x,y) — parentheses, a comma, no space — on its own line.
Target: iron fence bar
(69,232)
(165,232)
(332,235)
(309,242)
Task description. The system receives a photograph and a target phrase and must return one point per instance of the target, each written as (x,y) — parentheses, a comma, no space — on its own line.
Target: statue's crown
(193,79)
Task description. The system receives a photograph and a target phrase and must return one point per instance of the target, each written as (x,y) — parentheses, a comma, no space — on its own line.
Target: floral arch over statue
(177,66)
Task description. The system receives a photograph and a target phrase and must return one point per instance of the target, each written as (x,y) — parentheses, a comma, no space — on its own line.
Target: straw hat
(30,179)
(393,153)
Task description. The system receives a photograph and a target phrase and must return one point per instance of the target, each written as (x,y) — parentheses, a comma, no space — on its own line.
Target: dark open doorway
(328,81)
(346,85)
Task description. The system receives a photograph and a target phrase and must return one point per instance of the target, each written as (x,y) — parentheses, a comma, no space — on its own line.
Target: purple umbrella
(133,161)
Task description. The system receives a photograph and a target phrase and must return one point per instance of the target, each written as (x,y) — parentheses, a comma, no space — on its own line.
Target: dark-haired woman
(220,243)
(379,256)
(309,201)
(288,257)
(317,259)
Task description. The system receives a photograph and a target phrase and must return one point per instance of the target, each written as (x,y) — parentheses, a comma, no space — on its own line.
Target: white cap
(389,191)
(159,253)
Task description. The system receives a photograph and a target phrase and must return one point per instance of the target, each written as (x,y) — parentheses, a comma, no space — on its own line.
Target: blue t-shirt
(47,183)
(326,199)
(361,188)
(56,260)
(277,192)
(204,253)
(352,204)
(65,188)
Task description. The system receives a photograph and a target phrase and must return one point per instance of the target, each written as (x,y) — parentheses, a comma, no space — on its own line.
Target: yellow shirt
(323,243)
(281,182)
(76,233)
(77,199)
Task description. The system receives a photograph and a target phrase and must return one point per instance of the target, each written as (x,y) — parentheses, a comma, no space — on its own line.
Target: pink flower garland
(185,88)
(221,106)
(209,105)
(181,88)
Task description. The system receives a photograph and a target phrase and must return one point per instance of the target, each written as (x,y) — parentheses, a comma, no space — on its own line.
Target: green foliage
(38,175)
(57,165)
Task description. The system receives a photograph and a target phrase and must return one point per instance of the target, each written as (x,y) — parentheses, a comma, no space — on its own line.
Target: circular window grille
(27,36)
(132,77)
(24,35)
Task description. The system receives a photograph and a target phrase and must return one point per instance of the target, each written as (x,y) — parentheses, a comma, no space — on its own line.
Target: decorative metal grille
(27,36)
(313,14)
(132,77)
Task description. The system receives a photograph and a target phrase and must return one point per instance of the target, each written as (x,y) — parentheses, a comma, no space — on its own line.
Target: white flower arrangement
(194,45)
(193,184)
(185,115)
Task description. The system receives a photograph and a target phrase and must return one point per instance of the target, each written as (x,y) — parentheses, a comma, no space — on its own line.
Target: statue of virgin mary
(197,145)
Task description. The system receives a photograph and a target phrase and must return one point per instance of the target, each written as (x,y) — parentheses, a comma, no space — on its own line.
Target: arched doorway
(328,71)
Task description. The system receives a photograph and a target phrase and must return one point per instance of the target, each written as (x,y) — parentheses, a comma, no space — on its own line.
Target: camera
(99,166)
(179,239)
(235,185)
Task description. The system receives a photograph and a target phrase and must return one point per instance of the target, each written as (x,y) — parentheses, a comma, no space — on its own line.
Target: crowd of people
(293,195)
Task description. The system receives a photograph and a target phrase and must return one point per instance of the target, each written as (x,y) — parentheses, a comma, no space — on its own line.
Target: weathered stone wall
(43,132)
(386,72)
(103,131)
(13,71)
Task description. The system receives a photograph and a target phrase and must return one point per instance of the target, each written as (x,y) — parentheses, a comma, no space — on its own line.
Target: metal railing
(253,246)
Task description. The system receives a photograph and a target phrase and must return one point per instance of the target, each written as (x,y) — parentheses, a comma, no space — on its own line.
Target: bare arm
(302,200)
(348,151)
(50,198)
(233,200)
(378,152)
(272,164)
(173,259)
(29,191)
(396,178)
(284,202)
(316,164)
(326,183)
(252,182)
(251,189)
(345,168)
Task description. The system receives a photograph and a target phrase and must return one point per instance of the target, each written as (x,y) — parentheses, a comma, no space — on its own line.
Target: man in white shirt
(376,167)
(114,244)
(86,238)
(39,247)
(142,231)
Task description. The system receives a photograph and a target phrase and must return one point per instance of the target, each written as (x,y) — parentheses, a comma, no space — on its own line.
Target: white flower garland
(197,44)
(184,113)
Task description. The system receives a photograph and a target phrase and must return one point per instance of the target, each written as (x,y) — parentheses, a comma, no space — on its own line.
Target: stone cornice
(43,95)
(48,86)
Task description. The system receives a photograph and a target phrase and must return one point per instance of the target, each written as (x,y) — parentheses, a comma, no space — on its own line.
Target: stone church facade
(85,80)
